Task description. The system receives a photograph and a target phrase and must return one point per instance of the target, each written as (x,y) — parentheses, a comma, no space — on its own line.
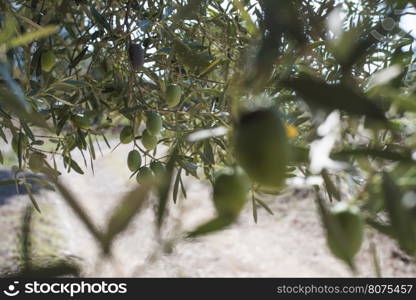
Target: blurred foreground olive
(127,135)
(173,95)
(153,123)
(231,187)
(149,141)
(47,61)
(261,146)
(144,175)
(401,209)
(345,232)
(134,160)
(158,168)
(36,162)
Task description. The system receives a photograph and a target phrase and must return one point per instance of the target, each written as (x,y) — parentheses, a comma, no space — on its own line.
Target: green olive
(144,175)
(153,123)
(261,146)
(48,61)
(149,141)
(346,231)
(82,121)
(173,95)
(231,186)
(158,168)
(134,160)
(36,162)
(127,135)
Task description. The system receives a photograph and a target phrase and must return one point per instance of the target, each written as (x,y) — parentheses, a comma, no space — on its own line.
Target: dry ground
(288,244)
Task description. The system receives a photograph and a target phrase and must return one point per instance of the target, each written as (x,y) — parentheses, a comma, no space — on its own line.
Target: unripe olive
(346,236)
(153,123)
(261,146)
(82,121)
(231,186)
(173,94)
(47,61)
(134,160)
(158,168)
(136,56)
(36,163)
(149,141)
(127,135)
(144,175)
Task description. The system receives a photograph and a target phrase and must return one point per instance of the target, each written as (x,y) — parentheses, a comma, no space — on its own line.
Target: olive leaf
(330,186)
(32,36)
(8,29)
(100,19)
(211,226)
(387,154)
(75,206)
(333,96)
(72,164)
(32,197)
(128,208)
(188,11)
(401,221)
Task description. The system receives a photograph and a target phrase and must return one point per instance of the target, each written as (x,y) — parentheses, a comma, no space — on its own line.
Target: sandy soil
(290,243)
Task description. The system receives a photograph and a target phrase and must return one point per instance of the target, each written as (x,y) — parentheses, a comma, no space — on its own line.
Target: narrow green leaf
(32,36)
(330,186)
(130,206)
(2,135)
(399,219)
(182,187)
(211,226)
(176,185)
(333,96)
(382,228)
(208,153)
(91,146)
(31,197)
(264,205)
(393,155)
(164,187)
(9,29)
(7,182)
(20,149)
(99,18)
(75,206)
(73,165)
(251,27)
(254,204)
(28,131)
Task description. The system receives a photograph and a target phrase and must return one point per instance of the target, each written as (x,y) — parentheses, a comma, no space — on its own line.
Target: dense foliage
(318,92)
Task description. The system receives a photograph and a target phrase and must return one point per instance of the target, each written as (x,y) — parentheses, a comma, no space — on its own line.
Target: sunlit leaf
(32,36)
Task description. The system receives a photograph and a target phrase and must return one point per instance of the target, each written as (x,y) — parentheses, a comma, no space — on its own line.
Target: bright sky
(408,22)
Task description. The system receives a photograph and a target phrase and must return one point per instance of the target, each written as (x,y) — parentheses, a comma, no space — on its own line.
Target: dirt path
(288,244)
